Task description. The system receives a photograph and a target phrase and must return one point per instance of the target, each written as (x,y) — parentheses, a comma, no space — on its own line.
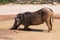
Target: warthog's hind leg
(49,24)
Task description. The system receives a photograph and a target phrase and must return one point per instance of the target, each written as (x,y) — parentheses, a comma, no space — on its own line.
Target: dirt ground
(38,32)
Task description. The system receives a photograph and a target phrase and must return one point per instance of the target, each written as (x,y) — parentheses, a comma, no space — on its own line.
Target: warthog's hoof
(27,29)
(49,31)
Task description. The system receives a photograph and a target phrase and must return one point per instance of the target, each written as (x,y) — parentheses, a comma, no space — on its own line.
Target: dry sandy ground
(38,32)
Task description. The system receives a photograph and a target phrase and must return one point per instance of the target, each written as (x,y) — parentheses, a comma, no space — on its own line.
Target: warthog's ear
(18,15)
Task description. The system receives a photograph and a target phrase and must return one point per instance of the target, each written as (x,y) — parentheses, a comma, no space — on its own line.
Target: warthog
(34,18)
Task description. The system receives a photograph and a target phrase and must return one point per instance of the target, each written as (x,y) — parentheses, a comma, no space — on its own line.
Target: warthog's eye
(18,16)
(17,19)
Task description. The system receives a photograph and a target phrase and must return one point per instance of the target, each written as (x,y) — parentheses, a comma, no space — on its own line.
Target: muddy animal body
(34,18)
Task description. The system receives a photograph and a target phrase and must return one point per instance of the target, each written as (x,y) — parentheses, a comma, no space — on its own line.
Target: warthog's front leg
(26,27)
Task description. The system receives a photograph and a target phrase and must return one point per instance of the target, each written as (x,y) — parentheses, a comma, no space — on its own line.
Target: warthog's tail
(51,17)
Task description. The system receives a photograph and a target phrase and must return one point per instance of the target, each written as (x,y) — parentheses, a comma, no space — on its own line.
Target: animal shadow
(35,30)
